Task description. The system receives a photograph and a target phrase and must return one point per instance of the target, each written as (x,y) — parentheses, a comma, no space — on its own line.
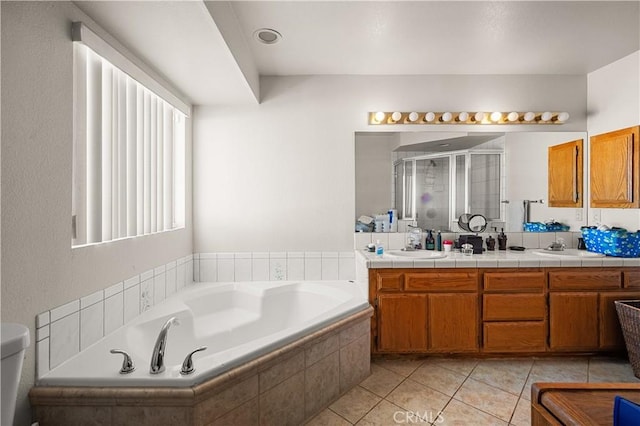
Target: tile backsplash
(273,266)
(531,240)
(70,328)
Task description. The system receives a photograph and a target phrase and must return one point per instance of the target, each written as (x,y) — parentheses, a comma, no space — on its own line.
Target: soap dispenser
(491,243)
(502,240)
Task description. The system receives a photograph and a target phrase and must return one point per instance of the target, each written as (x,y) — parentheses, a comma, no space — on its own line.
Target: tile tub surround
(287,386)
(274,266)
(66,330)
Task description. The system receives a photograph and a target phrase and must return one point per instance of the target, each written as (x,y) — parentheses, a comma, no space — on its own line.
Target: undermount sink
(417,254)
(567,253)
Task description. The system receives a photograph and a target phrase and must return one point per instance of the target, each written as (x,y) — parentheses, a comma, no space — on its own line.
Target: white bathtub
(238,322)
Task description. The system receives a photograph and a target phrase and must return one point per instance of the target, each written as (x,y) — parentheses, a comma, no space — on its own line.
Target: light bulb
(529,116)
(463,116)
(446,117)
(429,117)
(413,117)
(563,116)
(396,116)
(513,116)
(496,116)
(380,116)
(546,116)
(479,116)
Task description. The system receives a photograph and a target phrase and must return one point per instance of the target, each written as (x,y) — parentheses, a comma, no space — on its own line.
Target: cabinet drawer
(631,279)
(583,280)
(514,281)
(389,281)
(501,307)
(514,336)
(441,281)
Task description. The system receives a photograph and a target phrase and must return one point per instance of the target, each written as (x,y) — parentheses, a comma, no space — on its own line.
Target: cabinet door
(573,321)
(610,332)
(402,323)
(565,174)
(614,169)
(453,322)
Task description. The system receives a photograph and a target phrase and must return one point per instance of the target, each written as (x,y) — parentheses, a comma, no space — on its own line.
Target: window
(129,150)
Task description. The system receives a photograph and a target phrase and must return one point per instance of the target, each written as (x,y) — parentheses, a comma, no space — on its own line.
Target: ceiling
(208,51)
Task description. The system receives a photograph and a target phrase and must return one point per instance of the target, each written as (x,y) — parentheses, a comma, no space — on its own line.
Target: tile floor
(461,391)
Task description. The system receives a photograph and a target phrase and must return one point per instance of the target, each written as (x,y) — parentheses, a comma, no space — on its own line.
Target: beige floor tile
(413,396)
(487,398)
(570,369)
(522,414)
(563,370)
(327,418)
(611,370)
(403,367)
(355,404)
(457,413)
(438,378)
(459,365)
(385,414)
(509,376)
(381,381)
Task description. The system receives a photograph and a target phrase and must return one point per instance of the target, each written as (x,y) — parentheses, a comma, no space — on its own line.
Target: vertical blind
(128,155)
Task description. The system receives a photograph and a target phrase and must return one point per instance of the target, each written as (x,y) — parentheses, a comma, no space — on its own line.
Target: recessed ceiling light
(267,36)
(444,144)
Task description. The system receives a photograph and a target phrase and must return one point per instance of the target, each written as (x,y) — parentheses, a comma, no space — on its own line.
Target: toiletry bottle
(379,248)
(491,243)
(439,241)
(430,242)
(502,241)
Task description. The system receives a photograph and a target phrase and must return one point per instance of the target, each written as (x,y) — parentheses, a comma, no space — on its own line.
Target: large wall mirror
(434,177)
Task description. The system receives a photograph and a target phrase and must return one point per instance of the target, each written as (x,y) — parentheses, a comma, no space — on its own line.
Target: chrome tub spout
(157,358)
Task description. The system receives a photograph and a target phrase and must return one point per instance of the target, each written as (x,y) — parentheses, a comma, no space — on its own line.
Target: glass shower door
(432,193)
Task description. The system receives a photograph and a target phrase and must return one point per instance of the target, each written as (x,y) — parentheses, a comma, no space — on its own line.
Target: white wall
(374,173)
(529,180)
(39,269)
(279,176)
(613,103)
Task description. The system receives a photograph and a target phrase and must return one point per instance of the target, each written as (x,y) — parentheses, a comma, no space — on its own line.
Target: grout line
(338,414)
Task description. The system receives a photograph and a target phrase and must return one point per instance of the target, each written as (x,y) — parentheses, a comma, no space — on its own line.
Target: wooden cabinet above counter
(615,169)
(499,310)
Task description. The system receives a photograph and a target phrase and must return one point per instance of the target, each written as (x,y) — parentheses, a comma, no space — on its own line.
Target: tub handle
(187,365)
(127,362)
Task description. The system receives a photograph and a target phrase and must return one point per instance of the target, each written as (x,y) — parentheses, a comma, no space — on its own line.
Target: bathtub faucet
(157,358)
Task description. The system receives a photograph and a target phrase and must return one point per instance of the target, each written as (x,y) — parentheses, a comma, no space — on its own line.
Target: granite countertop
(496,259)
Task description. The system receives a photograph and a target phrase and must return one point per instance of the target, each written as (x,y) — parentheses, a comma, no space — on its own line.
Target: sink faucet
(157,358)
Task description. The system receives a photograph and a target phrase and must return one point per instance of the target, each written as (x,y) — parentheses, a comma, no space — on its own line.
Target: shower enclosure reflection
(435,189)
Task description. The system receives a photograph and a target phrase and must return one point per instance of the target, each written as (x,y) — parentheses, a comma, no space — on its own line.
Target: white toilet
(15,340)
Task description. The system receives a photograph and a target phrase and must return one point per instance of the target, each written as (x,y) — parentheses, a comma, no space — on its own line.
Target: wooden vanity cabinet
(499,310)
(565,174)
(615,169)
(428,312)
(514,311)
(582,313)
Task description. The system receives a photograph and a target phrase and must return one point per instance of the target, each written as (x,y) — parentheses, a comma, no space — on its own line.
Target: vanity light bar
(468,117)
